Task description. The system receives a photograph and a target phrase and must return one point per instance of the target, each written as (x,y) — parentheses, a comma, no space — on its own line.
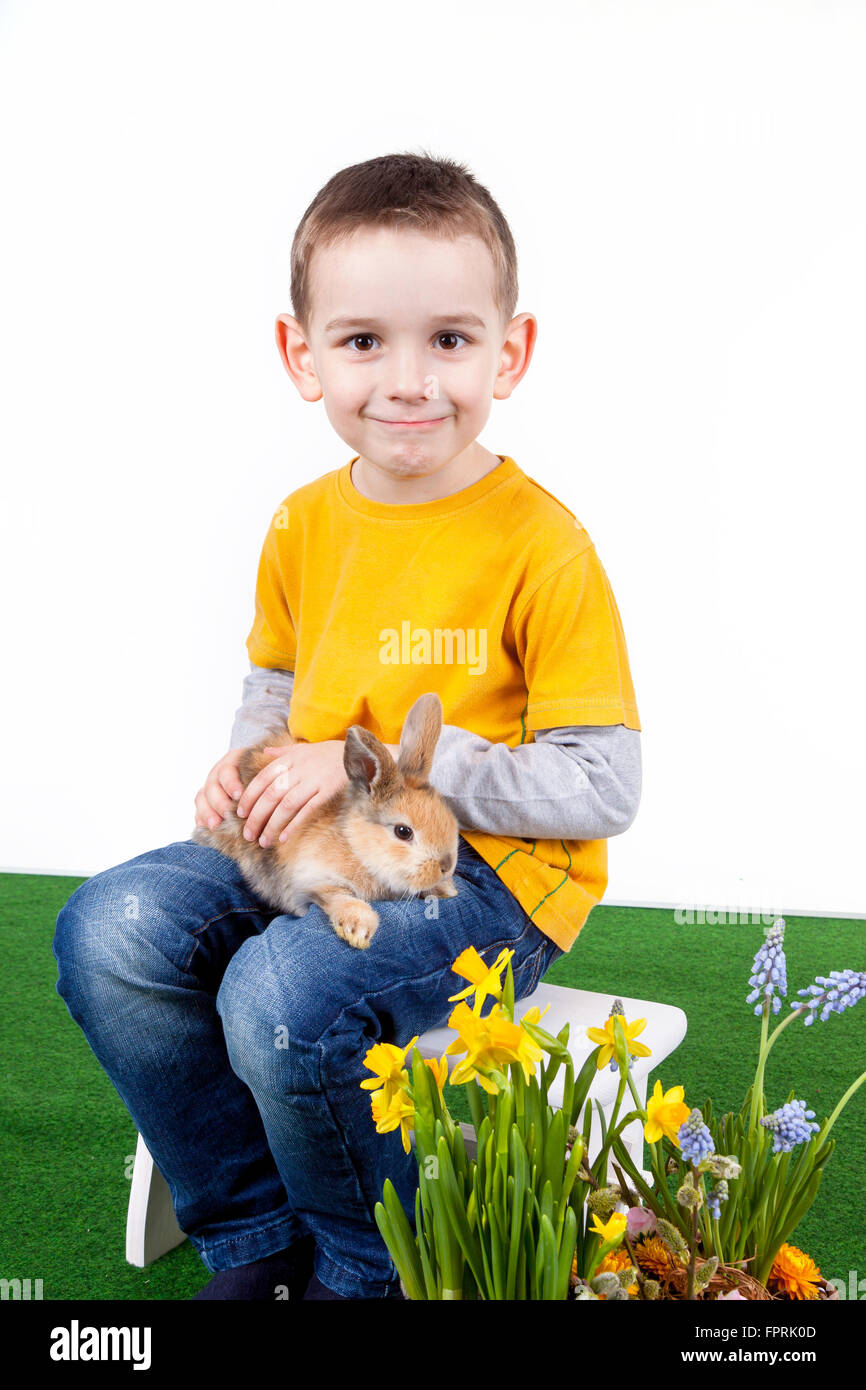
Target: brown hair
(436,196)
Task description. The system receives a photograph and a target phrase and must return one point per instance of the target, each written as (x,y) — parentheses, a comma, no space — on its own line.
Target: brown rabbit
(388,834)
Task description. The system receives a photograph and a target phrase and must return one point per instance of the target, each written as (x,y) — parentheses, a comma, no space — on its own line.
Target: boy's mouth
(410,424)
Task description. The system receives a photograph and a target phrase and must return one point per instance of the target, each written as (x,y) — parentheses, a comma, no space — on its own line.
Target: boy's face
(406,345)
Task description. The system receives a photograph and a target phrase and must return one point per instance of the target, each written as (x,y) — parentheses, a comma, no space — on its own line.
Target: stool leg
(151,1225)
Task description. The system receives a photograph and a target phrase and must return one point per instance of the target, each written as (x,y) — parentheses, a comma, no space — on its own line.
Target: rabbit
(388,834)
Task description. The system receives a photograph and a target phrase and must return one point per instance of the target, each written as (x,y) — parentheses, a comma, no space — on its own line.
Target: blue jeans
(235,1038)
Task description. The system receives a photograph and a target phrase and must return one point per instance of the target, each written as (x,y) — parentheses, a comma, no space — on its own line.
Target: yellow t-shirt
(493,597)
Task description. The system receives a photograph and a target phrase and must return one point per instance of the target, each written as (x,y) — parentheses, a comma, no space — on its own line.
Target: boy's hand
(222,788)
(292,786)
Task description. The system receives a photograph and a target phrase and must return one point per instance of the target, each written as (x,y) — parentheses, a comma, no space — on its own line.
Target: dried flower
(794,1273)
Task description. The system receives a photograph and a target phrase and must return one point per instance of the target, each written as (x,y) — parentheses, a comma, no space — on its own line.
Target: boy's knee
(98,934)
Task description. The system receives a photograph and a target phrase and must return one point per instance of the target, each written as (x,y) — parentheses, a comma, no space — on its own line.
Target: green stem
(758,1086)
(841,1106)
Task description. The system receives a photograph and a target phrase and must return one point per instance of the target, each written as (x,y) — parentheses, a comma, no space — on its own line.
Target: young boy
(425,563)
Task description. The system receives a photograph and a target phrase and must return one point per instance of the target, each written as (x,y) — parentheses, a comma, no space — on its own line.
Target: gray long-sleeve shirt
(577,783)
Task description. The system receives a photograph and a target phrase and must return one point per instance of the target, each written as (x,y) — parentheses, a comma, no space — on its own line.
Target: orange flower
(612,1263)
(794,1274)
(655,1258)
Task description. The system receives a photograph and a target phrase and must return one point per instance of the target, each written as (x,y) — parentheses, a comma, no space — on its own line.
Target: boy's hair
(437,196)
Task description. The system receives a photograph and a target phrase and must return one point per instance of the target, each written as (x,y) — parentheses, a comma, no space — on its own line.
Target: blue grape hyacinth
(832,993)
(715,1198)
(695,1140)
(769,972)
(791,1125)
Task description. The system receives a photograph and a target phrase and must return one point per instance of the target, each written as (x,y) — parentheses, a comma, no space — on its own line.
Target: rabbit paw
(445,889)
(356,923)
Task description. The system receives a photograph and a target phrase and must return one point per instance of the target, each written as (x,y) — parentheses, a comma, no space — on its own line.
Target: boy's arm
(578,783)
(265,707)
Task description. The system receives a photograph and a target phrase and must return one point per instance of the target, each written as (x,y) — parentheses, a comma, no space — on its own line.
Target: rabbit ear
(368,764)
(419,737)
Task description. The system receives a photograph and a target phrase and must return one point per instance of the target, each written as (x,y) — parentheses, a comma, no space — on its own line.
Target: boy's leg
(141,950)
(300,1008)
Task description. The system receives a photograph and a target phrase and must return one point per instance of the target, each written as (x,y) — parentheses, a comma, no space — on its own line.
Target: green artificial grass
(68,1141)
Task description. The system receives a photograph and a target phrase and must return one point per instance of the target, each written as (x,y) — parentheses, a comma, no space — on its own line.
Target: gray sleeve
(576,783)
(265,706)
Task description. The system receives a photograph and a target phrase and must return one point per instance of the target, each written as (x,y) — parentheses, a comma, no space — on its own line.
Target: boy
(425,563)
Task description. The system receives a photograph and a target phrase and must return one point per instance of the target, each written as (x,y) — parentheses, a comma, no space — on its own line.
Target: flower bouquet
(531,1217)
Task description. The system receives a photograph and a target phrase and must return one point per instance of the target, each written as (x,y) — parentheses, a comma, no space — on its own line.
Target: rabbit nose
(447,863)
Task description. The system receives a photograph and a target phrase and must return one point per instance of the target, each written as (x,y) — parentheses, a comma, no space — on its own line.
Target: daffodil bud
(621,1049)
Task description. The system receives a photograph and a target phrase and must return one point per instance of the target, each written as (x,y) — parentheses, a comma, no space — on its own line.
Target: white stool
(151,1227)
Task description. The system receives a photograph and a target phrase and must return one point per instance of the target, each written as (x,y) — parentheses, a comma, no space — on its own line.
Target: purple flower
(639,1221)
(832,993)
(768,969)
(734,1293)
(695,1140)
(791,1125)
(715,1198)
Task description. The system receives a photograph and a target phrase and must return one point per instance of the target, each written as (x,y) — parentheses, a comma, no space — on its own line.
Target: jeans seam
(229,912)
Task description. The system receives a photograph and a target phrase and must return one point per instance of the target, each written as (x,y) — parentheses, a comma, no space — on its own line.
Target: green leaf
(432,1286)
(547,1246)
(565,1259)
(516,1196)
(456,1211)
(582,1083)
(397,1234)
(554,1153)
(508,994)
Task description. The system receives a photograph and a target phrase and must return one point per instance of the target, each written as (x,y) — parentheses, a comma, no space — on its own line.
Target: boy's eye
(369,338)
(451,335)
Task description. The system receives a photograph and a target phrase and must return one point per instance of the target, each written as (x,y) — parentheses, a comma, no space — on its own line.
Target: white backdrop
(684,183)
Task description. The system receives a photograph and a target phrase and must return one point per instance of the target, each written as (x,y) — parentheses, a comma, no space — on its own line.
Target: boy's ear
(297,357)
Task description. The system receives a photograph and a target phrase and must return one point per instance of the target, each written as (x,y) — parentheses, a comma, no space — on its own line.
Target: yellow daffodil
(490,1043)
(607,1037)
(389,1113)
(388,1062)
(665,1113)
(439,1069)
(486,979)
(611,1230)
(534,1015)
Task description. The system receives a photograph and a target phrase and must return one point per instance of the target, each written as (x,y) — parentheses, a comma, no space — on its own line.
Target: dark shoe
(260,1280)
(317,1291)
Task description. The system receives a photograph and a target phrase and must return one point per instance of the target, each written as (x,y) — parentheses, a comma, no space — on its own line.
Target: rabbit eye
(403,832)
